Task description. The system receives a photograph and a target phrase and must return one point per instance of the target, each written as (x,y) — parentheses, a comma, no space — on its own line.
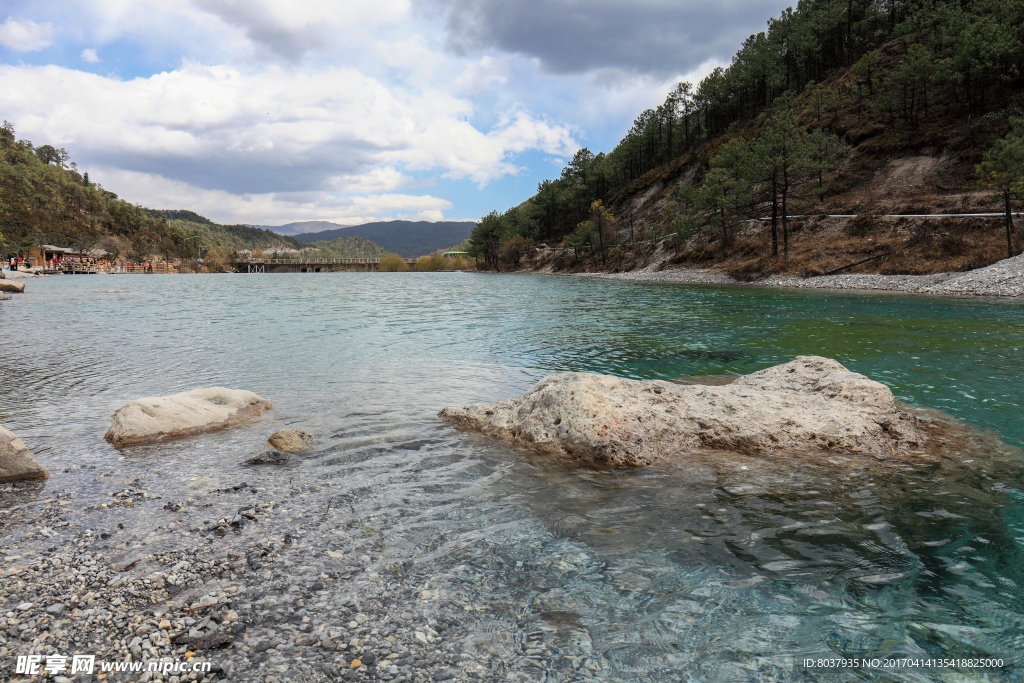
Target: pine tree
(1002,169)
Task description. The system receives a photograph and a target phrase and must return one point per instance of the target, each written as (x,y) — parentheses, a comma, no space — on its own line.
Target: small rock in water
(291,440)
(269,457)
(12,286)
(16,461)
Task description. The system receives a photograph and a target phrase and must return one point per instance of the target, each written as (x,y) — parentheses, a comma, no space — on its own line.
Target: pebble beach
(1004,278)
(261,589)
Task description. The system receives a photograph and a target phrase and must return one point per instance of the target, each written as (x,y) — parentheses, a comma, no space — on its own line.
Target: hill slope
(234,237)
(44,199)
(346,246)
(409,239)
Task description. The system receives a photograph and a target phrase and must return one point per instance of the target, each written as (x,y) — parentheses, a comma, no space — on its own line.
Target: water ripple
(723,568)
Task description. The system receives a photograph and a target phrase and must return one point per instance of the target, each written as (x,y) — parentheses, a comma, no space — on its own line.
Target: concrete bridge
(310,265)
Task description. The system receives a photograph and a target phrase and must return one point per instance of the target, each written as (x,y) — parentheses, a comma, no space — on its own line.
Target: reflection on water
(723,567)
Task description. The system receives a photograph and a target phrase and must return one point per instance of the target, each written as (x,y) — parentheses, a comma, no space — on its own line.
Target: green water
(702,571)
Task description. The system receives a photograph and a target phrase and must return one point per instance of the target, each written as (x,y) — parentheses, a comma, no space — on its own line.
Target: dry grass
(901,246)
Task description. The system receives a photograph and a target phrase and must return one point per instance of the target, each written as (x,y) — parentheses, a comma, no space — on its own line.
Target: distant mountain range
(409,239)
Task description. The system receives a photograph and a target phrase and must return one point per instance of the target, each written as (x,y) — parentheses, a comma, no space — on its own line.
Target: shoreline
(1001,279)
(262,581)
(1004,279)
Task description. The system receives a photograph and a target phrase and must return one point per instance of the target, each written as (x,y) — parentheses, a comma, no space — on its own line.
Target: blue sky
(269,112)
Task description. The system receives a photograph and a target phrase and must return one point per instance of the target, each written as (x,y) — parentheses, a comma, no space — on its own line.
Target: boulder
(16,461)
(16,286)
(291,440)
(160,418)
(809,404)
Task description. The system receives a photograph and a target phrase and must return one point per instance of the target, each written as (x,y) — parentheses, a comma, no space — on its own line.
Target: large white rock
(809,404)
(16,461)
(159,418)
(16,286)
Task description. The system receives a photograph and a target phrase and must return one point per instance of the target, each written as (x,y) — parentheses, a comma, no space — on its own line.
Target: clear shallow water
(720,569)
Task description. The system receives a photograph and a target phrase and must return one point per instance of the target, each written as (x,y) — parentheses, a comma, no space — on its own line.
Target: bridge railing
(317,261)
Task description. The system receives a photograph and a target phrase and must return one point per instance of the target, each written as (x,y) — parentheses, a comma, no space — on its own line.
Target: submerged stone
(809,404)
(269,457)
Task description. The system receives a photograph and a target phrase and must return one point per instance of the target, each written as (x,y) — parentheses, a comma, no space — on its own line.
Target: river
(684,572)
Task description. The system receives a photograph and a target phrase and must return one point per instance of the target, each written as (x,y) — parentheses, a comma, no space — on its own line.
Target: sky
(269,112)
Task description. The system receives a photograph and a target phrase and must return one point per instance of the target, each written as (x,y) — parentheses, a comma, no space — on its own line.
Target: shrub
(861,226)
(514,249)
(429,264)
(459,263)
(216,261)
(392,263)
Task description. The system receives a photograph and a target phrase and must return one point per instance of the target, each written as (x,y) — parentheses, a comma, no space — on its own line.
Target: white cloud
(277,143)
(26,36)
(481,75)
(274,129)
(291,30)
(265,208)
(272,101)
(377,180)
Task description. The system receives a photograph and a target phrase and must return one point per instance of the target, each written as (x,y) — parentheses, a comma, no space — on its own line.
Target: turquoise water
(730,570)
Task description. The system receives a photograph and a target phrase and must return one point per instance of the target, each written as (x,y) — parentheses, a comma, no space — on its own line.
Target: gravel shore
(1005,278)
(265,584)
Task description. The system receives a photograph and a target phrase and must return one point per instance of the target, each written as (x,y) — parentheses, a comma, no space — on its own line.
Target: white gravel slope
(1004,278)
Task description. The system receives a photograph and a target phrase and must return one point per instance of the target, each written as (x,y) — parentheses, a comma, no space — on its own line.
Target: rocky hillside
(872,111)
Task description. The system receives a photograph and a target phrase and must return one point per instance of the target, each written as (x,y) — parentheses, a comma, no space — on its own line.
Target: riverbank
(1004,278)
(251,580)
(18,274)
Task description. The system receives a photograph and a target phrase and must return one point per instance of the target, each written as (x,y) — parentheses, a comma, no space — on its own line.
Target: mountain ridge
(409,239)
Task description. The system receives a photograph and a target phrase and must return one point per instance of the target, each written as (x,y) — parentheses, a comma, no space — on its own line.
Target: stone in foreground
(16,461)
(809,404)
(291,440)
(16,286)
(160,418)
